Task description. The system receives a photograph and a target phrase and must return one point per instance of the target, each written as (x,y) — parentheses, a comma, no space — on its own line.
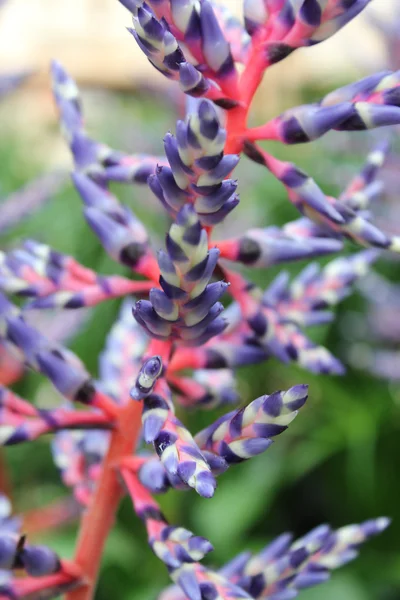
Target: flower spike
(282,26)
(187,309)
(175,446)
(149,372)
(216,49)
(199,171)
(21,422)
(198,582)
(284,566)
(365,185)
(183,346)
(277,316)
(233,30)
(239,435)
(156,41)
(44,570)
(333,214)
(56,280)
(362,190)
(366,104)
(93,158)
(270,246)
(281,570)
(168,31)
(175,546)
(60,365)
(119,231)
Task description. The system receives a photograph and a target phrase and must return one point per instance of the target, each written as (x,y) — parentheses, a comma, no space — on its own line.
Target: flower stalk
(101,513)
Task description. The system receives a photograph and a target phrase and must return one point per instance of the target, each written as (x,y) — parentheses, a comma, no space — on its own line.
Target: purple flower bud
(39,560)
(149,373)
(67,378)
(216,49)
(93,194)
(192,81)
(155,413)
(152,475)
(255,14)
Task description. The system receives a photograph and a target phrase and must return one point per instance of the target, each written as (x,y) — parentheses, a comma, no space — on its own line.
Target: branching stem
(100,515)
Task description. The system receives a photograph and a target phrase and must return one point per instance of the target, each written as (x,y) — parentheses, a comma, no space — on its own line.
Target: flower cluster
(42,568)
(281,569)
(181,345)
(372,342)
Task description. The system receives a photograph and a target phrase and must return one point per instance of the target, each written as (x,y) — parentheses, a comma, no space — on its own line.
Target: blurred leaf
(339,587)
(239,501)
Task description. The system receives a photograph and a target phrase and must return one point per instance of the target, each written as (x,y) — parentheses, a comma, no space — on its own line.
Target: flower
(182,344)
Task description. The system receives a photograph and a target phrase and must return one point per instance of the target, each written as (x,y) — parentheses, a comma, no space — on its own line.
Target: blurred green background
(338,463)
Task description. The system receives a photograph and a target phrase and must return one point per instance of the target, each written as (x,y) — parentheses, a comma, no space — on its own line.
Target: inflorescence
(183,343)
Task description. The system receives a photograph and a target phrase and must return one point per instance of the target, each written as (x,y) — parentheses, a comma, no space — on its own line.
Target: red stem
(235,128)
(29,586)
(256,65)
(249,82)
(140,496)
(186,358)
(269,132)
(80,419)
(100,515)
(161,349)
(228,249)
(148,267)
(106,404)
(238,291)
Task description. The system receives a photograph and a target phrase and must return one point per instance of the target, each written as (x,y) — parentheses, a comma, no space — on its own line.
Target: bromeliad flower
(182,345)
(281,570)
(90,156)
(44,571)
